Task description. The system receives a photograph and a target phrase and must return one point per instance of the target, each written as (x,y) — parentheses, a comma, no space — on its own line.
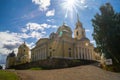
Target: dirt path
(87,72)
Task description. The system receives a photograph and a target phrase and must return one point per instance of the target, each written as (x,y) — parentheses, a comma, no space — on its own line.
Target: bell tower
(79,31)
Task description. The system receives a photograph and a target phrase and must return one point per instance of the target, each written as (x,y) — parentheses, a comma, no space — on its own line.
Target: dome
(84,39)
(23,45)
(12,54)
(52,35)
(65,28)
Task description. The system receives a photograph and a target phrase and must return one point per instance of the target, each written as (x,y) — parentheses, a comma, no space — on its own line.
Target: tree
(0,67)
(106,32)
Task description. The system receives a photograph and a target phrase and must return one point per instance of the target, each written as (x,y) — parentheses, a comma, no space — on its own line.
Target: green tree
(0,67)
(107,32)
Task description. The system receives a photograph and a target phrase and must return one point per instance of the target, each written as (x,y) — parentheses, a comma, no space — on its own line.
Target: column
(88,54)
(81,53)
(74,53)
(78,53)
(40,54)
(45,53)
(85,54)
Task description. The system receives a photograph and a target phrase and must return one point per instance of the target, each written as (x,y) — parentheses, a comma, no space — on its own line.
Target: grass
(5,75)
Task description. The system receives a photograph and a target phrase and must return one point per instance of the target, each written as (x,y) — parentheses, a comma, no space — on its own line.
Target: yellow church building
(62,45)
(23,54)
(21,58)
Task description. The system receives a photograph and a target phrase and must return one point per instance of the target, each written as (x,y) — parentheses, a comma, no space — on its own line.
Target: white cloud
(24,35)
(93,41)
(50,13)
(24,30)
(43,4)
(82,1)
(87,30)
(35,30)
(9,41)
(8,37)
(51,20)
(36,35)
(31,45)
(34,26)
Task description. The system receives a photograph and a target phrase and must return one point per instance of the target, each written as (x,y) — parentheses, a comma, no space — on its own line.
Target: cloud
(82,1)
(51,20)
(9,41)
(31,45)
(37,35)
(35,30)
(93,41)
(50,13)
(2,58)
(87,30)
(23,35)
(11,46)
(43,4)
(37,27)
(34,26)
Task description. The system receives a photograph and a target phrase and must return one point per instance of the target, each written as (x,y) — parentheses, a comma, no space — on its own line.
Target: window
(53,49)
(69,48)
(50,48)
(77,33)
(69,54)
(50,54)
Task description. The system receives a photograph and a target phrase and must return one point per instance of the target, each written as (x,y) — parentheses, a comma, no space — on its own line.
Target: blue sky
(30,20)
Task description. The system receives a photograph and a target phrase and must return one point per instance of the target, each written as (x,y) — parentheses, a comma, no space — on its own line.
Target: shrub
(0,67)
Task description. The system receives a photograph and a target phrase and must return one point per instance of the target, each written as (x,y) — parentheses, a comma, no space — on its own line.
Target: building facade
(23,54)
(62,45)
(11,59)
(21,58)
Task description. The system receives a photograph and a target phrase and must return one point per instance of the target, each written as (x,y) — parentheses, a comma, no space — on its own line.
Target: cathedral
(61,44)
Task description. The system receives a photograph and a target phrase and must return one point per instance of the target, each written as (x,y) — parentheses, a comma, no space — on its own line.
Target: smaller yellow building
(23,54)
(21,58)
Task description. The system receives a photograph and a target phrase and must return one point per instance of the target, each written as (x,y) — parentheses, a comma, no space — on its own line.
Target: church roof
(64,27)
(78,24)
(84,39)
(23,45)
(12,54)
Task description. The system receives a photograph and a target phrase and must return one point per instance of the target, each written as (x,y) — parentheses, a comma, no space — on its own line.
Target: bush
(0,67)
(113,68)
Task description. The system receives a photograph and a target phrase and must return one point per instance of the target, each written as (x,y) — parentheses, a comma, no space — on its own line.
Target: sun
(71,6)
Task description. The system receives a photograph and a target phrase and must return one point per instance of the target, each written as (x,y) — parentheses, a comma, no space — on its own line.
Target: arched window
(77,33)
(70,54)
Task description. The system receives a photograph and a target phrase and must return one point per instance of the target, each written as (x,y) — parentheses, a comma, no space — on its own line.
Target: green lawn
(5,75)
